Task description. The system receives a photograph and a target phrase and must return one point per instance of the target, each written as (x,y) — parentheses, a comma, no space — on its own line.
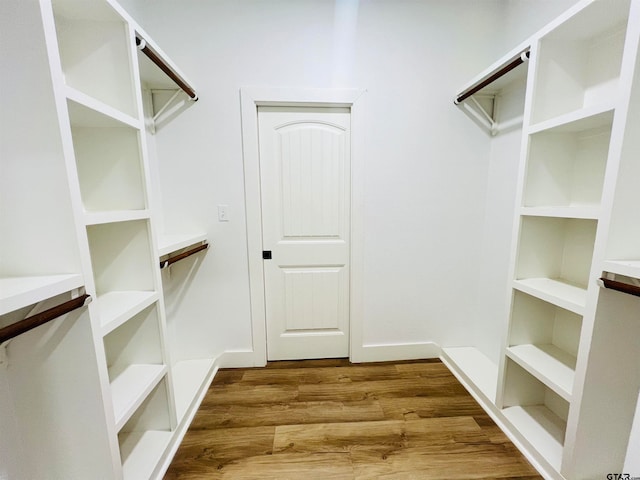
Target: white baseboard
(395,352)
(239,359)
(366,353)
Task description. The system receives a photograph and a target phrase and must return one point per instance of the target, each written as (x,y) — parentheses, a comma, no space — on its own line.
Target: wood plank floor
(329,419)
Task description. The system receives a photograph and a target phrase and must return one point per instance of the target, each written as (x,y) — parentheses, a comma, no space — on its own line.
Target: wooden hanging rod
(29,323)
(621,287)
(501,71)
(188,253)
(166,68)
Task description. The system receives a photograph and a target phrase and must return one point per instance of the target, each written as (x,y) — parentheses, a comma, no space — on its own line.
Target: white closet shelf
(190,377)
(628,268)
(141,452)
(172,242)
(131,386)
(115,216)
(86,111)
(541,428)
(556,292)
(19,292)
(587,118)
(477,369)
(549,364)
(118,307)
(587,212)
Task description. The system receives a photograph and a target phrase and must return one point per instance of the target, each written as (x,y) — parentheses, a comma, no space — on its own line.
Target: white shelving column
(575,121)
(92,56)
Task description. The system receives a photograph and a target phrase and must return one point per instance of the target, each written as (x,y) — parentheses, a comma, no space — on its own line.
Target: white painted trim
(397,352)
(238,359)
(250,99)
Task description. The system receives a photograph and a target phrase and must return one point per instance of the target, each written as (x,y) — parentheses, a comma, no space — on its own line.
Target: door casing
(252,98)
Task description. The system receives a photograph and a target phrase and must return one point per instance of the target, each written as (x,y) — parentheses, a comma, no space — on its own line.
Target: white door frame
(251,98)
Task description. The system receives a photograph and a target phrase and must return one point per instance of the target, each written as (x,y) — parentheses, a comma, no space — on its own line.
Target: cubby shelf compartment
(586,213)
(131,386)
(579,62)
(543,340)
(475,368)
(109,168)
(556,248)
(556,292)
(19,292)
(121,256)
(566,170)
(135,362)
(142,451)
(95,52)
(549,364)
(591,118)
(146,436)
(115,216)
(537,413)
(118,307)
(86,111)
(541,428)
(189,378)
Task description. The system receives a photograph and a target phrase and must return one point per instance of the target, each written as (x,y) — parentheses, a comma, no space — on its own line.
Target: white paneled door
(305,180)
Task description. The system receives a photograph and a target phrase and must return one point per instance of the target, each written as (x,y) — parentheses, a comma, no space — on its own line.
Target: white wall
(426,162)
(523,18)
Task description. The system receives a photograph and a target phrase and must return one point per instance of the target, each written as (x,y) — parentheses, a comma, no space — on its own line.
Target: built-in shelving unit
(84,179)
(95,42)
(575,220)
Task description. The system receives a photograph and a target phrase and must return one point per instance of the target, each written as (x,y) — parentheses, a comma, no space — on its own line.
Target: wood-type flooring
(329,419)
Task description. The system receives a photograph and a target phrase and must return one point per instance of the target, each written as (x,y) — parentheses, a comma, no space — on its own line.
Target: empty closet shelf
(549,364)
(118,307)
(115,216)
(584,119)
(141,452)
(475,367)
(131,386)
(541,428)
(581,212)
(171,243)
(190,378)
(554,291)
(19,292)
(180,256)
(86,111)
(628,268)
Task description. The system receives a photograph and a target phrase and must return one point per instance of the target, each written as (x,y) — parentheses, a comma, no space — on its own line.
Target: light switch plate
(223,213)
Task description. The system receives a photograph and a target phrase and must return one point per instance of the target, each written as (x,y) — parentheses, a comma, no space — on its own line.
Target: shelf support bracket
(493,125)
(162,109)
